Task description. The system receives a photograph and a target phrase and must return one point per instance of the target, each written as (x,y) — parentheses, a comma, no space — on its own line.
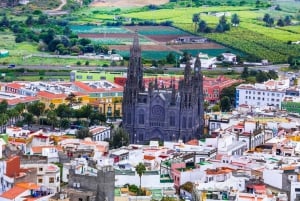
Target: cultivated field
(156,41)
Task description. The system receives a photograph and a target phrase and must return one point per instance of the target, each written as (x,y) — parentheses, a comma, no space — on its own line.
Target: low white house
(100,133)
(206,61)
(229,57)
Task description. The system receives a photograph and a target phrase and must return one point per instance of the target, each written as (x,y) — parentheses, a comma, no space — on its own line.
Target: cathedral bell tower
(133,86)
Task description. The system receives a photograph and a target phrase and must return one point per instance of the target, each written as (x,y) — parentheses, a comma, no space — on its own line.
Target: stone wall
(103,184)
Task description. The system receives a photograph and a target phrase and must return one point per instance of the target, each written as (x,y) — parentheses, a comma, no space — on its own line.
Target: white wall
(260,98)
(148,181)
(273,178)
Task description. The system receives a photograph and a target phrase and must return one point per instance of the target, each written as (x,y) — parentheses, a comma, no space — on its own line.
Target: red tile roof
(13,192)
(88,89)
(14,85)
(39,149)
(50,95)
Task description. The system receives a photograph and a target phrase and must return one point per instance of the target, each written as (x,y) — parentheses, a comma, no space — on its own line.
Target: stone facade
(162,113)
(102,185)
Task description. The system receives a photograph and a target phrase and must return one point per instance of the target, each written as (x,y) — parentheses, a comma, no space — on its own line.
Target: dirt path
(63,2)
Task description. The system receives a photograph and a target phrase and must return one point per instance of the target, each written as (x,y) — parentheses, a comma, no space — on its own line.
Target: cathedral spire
(187,71)
(136,39)
(197,65)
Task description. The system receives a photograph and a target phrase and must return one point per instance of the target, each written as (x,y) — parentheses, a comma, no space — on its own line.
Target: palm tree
(20,107)
(140,170)
(71,99)
(12,114)
(37,109)
(52,118)
(196,19)
(3,120)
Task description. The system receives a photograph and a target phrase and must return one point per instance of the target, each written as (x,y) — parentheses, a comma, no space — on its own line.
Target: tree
(215,108)
(28,118)
(261,76)
(245,73)
(271,22)
(67,31)
(64,123)
(83,133)
(4,22)
(220,28)
(42,19)
(229,92)
(140,170)
(196,19)
(71,98)
(3,106)
(120,138)
(225,104)
(20,107)
(287,20)
(202,26)
(280,23)
(266,18)
(29,21)
(63,111)
(12,115)
(170,58)
(206,105)
(37,109)
(235,20)
(52,118)
(3,120)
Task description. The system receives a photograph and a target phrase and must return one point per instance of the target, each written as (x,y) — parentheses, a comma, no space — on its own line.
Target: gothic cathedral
(162,113)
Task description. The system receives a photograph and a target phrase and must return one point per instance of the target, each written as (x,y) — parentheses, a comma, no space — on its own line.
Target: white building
(229,57)
(206,61)
(269,93)
(48,176)
(100,133)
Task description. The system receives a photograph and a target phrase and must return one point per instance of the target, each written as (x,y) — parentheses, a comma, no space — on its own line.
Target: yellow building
(48,98)
(103,95)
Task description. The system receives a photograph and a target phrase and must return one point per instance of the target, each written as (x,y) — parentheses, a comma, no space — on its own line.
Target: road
(121,68)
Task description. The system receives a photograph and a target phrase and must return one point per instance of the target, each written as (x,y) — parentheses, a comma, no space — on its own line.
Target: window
(89,77)
(40,180)
(57,179)
(40,169)
(51,180)
(78,76)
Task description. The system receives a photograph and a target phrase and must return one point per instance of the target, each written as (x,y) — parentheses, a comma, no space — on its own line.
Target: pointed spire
(155,83)
(136,39)
(187,71)
(197,65)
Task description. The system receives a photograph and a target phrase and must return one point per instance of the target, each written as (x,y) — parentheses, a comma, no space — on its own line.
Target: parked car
(11,65)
